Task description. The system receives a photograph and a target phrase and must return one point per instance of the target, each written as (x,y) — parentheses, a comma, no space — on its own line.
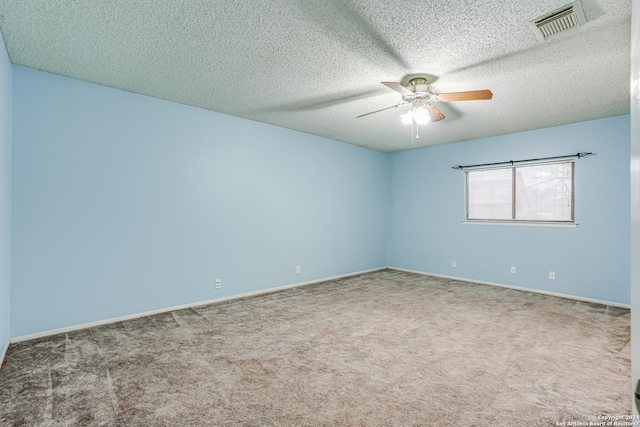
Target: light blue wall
(124,204)
(592,261)
(5,192)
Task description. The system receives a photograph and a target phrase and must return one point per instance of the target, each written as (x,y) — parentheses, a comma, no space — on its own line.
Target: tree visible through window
(536,192)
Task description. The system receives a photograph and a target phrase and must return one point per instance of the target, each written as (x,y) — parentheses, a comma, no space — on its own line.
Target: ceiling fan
(420,96)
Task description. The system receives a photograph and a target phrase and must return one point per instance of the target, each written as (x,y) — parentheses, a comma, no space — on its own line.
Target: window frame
(514,221)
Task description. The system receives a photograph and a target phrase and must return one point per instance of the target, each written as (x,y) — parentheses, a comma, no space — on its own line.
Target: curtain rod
(512,162)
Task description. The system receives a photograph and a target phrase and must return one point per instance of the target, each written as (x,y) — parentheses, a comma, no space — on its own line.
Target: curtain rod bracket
(580,155)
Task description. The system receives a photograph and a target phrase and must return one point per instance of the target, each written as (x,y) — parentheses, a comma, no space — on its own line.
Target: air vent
(557,21)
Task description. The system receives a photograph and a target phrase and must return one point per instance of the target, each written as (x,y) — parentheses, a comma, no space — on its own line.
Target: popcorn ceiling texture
(381,349)
(315,65)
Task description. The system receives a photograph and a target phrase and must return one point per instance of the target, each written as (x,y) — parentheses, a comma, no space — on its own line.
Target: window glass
(489,194)
(540,192)
(543,192)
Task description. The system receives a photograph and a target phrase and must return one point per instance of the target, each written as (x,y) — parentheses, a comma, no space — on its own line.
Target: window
(534,193)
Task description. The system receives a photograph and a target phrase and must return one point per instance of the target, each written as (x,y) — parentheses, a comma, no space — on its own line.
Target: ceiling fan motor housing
(420,88)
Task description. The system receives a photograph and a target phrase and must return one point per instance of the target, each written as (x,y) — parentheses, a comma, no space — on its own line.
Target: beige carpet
(381,349)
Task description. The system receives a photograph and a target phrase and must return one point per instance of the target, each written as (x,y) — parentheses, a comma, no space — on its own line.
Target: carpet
(387,348)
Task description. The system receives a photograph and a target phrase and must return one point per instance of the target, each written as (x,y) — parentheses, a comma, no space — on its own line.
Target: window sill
(524,223)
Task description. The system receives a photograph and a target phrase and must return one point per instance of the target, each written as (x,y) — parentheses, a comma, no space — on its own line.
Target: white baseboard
(4,352)
(178,307)
(502,285)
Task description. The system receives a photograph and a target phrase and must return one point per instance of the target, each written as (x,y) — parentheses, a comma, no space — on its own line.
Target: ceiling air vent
(557,21)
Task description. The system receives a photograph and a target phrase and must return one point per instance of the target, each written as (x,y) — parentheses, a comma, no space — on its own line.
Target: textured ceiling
(314,66)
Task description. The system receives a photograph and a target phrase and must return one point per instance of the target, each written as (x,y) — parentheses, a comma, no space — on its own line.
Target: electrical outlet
(218,283)
(513,269)
(552,275)
(297,269)
(453,264)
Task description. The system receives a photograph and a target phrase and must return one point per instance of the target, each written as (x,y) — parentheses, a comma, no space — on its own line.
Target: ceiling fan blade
(377,111)
(435,114)
(398,88)
(471,95)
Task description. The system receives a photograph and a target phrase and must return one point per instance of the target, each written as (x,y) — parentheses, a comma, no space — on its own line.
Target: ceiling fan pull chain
(412,124)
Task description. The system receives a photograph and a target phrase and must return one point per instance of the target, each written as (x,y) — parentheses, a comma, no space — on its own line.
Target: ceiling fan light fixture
(421,116)
(407,118)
